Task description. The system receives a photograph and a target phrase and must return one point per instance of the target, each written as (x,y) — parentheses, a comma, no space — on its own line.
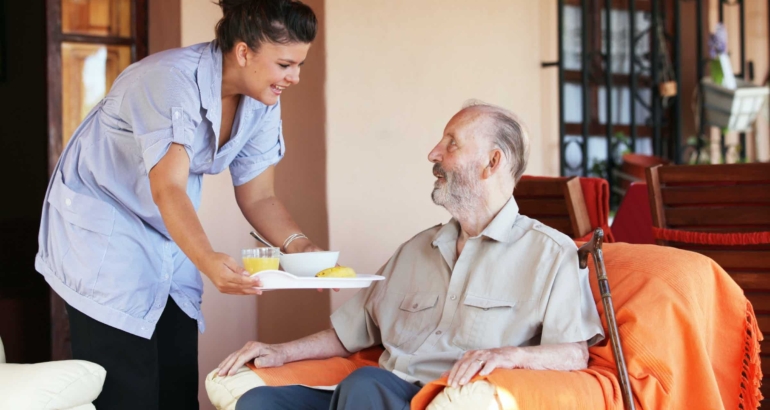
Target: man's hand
(483,360)
(264,355)
(228,276)
(559,356)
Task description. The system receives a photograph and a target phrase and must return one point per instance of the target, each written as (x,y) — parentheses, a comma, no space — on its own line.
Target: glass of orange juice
(259,259)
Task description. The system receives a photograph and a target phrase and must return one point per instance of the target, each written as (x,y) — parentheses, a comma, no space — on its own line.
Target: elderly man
(490,289)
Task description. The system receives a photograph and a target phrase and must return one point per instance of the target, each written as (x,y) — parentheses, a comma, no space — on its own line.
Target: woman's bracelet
(291,239)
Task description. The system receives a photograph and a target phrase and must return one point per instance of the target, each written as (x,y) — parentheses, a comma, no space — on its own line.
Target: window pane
(572,38)
(97,17)
(88,71)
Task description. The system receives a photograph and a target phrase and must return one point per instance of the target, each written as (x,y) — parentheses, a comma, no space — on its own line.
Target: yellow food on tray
(337,272)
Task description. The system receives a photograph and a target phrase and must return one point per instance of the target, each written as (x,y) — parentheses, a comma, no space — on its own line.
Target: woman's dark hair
(257,21)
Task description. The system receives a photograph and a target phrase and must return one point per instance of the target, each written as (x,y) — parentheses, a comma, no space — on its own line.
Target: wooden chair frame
(725,199)
(551,201)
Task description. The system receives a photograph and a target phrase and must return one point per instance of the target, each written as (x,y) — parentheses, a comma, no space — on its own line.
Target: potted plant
(729,103)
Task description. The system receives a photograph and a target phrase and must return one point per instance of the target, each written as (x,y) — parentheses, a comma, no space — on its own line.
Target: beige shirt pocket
(484,323)
(414,319)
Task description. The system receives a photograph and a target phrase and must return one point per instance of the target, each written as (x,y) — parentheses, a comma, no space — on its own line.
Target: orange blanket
(689,335)
(326,372)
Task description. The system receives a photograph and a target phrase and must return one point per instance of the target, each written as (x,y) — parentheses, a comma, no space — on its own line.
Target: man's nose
(434,155)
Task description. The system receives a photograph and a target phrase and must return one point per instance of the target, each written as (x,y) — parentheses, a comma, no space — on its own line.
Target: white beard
(461,192)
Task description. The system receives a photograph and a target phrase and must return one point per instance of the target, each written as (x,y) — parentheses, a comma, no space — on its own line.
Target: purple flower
(718,41)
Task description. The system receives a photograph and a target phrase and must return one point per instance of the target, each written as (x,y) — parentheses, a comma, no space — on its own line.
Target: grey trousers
(366,388)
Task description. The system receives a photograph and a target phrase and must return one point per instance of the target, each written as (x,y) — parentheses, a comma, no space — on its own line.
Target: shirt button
(165,277)
(415,306)
(438,332)
(453,297)
(176,114)
(208,161)
(68,201)
(142,328)
(158,305)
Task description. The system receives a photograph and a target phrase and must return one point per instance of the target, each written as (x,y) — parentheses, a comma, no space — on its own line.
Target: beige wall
(549,91)
(397,70)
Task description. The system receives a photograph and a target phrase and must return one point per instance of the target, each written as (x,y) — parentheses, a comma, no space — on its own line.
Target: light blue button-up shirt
(103,245)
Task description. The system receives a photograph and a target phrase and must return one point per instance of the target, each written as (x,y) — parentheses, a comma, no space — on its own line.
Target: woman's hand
(228,276)
(264,355)
(303,245)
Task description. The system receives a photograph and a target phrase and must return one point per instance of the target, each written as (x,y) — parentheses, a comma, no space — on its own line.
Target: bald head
(503,129)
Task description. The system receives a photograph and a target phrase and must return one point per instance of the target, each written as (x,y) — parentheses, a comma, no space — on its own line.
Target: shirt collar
(500,229)
(210,83)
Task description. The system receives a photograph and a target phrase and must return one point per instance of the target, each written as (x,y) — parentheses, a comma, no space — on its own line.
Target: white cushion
(479,395)
(67,384)
(225,391)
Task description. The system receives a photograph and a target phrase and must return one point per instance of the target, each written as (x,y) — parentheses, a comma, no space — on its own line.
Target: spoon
(263,240)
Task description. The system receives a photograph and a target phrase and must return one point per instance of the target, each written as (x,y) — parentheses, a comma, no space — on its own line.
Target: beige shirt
(516,284)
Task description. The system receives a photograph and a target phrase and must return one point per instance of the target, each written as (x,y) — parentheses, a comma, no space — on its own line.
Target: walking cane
(594,247)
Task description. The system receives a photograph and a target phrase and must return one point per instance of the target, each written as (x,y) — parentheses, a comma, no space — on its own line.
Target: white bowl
(308,263)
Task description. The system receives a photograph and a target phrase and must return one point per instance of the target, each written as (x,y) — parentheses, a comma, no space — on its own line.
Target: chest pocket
(483,322)
(417,316)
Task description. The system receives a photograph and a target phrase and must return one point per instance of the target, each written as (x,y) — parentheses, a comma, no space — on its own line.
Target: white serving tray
(276,279)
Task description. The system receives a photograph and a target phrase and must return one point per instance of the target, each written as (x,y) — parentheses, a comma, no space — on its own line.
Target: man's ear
(495,161)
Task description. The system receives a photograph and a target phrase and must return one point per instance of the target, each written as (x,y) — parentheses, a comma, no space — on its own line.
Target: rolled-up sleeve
(265,148)
(355,324)
(571,314)
(162,107)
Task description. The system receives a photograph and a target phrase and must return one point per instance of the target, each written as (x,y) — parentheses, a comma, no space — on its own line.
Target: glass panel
(573,103)
(88,71)
(642,46)
(97,17)
(571,36)
(644,146)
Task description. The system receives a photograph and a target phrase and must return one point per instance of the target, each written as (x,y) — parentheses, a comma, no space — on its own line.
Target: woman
(120,240)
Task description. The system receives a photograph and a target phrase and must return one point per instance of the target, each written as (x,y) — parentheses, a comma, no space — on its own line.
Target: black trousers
(156,374)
